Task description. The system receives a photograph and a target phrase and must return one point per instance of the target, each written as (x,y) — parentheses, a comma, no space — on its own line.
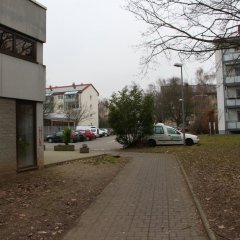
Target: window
(158,130)
(90,97)
(233,70)
(17,45)
(60,97)
(24,47)
(238,92)
(6,41)
(238,116)
(172,131)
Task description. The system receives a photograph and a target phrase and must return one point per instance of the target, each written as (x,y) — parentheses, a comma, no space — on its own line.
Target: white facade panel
(89,98)
(220,92)
(21,79)
(24,16)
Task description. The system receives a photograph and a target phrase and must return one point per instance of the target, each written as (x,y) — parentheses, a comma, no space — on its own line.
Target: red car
(87,134)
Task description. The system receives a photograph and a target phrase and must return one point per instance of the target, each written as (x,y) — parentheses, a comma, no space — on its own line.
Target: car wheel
(152,143)
(87,138)
(189,142)
(50,140)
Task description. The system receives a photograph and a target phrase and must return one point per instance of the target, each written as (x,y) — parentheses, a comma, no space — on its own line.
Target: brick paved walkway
(148,200)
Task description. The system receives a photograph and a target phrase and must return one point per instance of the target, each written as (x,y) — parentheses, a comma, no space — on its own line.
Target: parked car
(95,131)
(101,132)
(88,135)
(57,137)
(105,132)
(165,135)
(79,136)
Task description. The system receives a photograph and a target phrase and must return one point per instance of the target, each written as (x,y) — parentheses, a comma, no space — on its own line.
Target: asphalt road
(104,144)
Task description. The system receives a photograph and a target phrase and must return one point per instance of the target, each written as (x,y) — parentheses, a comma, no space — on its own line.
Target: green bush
(131,115)
(67,135)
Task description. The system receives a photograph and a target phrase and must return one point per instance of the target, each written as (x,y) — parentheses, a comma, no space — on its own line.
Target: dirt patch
(216,181)
(45,204)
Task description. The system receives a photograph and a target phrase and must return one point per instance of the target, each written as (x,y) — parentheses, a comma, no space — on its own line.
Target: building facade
(71,106)
(228,90)
(22,84)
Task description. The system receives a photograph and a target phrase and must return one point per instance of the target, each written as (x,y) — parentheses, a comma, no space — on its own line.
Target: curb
(203,217)
(72,160)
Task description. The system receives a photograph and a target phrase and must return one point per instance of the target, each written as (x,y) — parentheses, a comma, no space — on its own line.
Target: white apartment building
(82,98)
(22,84)
(228,90)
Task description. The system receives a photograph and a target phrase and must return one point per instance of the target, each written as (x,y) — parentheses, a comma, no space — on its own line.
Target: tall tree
(103,106)
(168,106)
(48,105)
(131,115)
(188,27)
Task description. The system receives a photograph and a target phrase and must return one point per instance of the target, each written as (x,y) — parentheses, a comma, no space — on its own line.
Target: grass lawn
(213,167)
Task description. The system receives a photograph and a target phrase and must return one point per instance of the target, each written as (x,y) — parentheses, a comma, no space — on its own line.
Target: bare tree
(103,109)
(48,105)
(82,113)
(167,105)
(205,98)
(189,27)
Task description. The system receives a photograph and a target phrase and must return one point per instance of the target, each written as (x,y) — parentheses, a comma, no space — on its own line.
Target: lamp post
(182,100)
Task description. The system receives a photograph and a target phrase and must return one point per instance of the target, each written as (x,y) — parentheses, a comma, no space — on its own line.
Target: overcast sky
(93,41)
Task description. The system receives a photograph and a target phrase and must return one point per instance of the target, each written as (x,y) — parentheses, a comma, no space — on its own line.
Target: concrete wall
(26,81)
(25,16)
(7,135)
(220,92)
(89,97)
(39,135)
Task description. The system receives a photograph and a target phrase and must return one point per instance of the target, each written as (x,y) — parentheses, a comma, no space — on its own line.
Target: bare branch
(189,27)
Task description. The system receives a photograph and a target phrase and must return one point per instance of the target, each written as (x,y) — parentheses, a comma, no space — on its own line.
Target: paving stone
(148,200)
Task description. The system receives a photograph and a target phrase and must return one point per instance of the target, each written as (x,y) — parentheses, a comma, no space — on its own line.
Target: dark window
(233,70)
(17,45)
(238,116)
(24,47)
(6,40)
(238,92)
(158,130)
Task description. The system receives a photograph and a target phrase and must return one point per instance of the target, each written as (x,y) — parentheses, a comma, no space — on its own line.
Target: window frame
(13,53)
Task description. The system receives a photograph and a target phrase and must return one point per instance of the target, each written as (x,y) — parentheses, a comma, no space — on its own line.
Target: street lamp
(182,100)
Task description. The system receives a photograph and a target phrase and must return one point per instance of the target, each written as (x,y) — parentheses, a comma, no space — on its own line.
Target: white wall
(220,92)
(92,105)
(25,16)
(21,79)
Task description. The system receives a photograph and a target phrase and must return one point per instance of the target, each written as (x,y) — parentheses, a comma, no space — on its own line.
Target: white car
(165,135)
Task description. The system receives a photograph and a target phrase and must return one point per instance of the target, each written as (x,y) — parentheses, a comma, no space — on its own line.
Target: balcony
(233,125)
(231,57)
(233,103)
(232,81)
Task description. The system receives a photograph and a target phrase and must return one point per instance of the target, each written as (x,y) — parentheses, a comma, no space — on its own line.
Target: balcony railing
(231,57)
(233,102)
(233,80)
(233,125)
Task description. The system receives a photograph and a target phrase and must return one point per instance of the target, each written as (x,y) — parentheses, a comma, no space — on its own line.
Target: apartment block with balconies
(69,106)
(228,90)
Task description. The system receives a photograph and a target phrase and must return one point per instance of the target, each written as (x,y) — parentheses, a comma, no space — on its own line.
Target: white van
(165,135)
(83,128)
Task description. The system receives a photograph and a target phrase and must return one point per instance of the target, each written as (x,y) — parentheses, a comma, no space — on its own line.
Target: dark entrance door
(26,150)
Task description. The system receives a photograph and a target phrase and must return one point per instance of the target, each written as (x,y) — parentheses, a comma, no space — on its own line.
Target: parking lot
(104,144)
